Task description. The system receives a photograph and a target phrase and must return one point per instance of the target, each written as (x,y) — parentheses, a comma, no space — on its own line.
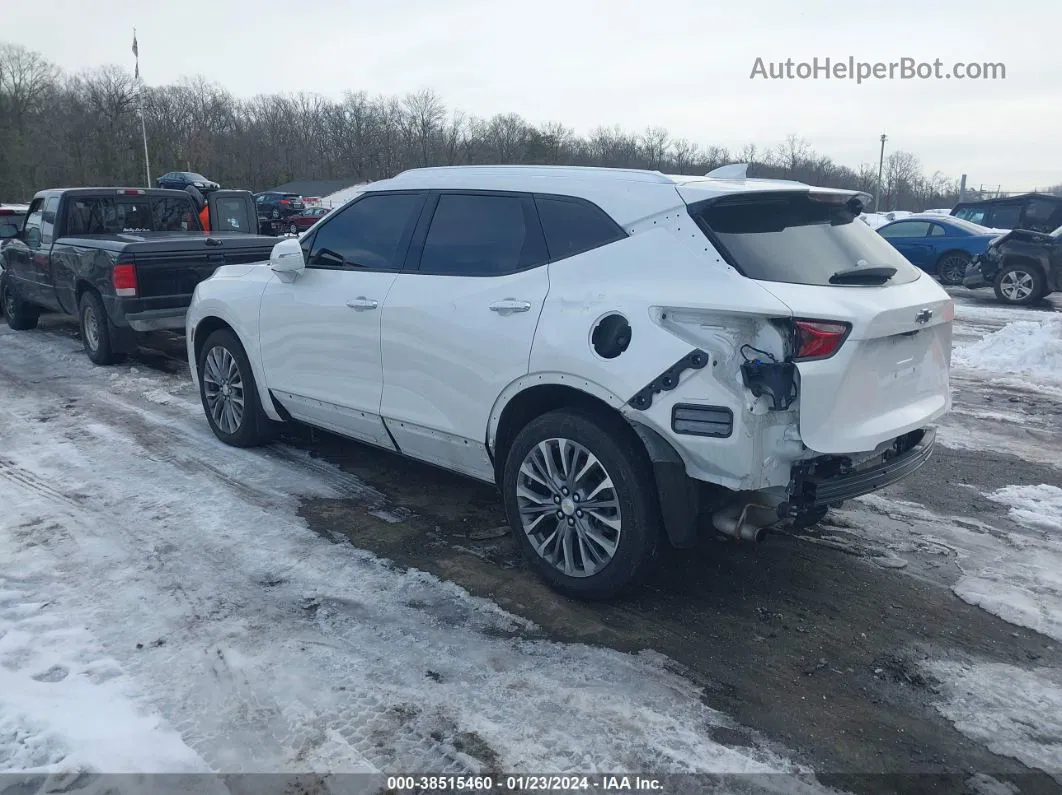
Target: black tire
(1020,285)
(97,333)
(951,267)
(623,459)
(21,316)
(254,427)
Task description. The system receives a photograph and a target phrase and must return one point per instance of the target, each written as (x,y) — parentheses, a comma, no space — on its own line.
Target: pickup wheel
(580,497)
(20,315)
(1020,285)
(96,332)
(229,394)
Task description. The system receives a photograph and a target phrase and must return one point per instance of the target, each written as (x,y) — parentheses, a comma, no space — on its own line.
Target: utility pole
(881,164)
(140,97)
(962,188)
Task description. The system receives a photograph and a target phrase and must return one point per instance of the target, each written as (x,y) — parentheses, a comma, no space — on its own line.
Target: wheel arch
(540,393)
(197,337)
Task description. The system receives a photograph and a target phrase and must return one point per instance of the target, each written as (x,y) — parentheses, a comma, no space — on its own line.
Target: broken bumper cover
(975,273)
(808,492)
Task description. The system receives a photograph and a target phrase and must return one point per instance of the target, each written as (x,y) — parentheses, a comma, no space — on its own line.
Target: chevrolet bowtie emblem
(924,316)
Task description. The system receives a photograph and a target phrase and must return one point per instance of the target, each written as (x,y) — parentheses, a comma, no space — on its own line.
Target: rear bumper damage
(821,483)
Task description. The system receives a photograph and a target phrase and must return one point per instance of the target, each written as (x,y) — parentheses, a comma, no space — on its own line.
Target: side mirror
(8,231)
(286,260)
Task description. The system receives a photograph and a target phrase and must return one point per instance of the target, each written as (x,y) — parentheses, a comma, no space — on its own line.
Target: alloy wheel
(223,388)
(1017,285)
(953,269)
(569,507)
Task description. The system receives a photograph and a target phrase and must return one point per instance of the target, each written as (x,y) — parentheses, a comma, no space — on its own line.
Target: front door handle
(362,304)
(509,305)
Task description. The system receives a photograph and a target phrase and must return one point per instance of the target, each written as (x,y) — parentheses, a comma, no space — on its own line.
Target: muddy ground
(812,646)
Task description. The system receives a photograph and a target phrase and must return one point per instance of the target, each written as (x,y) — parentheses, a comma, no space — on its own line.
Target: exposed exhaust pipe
(745,522)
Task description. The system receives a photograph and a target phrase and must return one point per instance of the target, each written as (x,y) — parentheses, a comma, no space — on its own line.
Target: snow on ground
(1034,506)
(151,568)
(1016,575)
(1013,711)
(1029,348)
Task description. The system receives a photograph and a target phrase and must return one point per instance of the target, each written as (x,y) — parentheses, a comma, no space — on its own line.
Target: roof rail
(642,175)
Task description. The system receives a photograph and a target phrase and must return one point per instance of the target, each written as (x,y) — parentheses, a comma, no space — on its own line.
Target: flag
(136,52)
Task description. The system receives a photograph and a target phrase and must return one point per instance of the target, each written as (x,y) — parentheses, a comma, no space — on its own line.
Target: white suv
(628,355)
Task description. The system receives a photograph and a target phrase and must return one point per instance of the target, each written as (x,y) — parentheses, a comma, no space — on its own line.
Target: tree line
(59,129)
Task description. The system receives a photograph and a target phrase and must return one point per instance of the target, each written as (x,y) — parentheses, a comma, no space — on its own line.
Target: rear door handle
(509,305)
(362,304)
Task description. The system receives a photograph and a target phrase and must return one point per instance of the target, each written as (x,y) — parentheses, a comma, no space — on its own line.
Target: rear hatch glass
(800,238)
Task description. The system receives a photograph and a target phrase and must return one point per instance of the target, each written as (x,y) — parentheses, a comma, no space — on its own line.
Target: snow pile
(341,197)
(1013,711)
(1034,506)
(873,220)
(1031,348)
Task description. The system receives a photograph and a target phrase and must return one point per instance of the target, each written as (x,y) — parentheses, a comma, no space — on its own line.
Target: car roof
(626,194)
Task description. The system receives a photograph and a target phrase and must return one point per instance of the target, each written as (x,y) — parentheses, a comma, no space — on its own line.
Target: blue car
(938,244)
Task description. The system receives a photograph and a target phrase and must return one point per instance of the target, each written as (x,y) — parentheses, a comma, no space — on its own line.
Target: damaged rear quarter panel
(677,294)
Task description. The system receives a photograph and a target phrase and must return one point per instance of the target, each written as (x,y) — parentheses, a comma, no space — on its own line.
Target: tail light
(284,201)
(123,276)
(818,339)
(130,192)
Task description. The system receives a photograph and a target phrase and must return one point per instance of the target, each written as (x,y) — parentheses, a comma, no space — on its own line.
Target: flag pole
(140,97)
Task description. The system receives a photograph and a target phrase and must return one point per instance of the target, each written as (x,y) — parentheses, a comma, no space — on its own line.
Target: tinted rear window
(573,226)
(111,216)
(789,237)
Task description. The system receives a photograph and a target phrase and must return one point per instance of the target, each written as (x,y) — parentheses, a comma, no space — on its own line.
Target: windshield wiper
(870,276)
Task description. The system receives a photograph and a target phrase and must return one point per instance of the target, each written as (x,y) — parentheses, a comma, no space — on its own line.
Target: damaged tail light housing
(123,276)
(818,339)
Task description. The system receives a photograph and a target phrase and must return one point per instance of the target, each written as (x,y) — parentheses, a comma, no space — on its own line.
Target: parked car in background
(275,208)
(179,180)
(122,260)
(623,353)
(1038,212)
(943,246)
(1022,266)
(306,219)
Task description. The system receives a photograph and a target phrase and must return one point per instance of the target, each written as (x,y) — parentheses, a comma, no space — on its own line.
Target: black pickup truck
(123,260)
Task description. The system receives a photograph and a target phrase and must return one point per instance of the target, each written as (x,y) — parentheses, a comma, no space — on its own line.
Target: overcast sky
(681,64)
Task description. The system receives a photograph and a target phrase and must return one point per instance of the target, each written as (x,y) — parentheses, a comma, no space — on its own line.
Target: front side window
(31,232)
(48,219)
(905,229)
(572,227)
(369,234)
(481,235)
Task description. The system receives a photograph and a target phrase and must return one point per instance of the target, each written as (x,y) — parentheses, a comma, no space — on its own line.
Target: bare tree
(82,129)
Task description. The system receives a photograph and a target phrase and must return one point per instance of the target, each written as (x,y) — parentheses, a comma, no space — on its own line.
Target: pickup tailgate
(170,265)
